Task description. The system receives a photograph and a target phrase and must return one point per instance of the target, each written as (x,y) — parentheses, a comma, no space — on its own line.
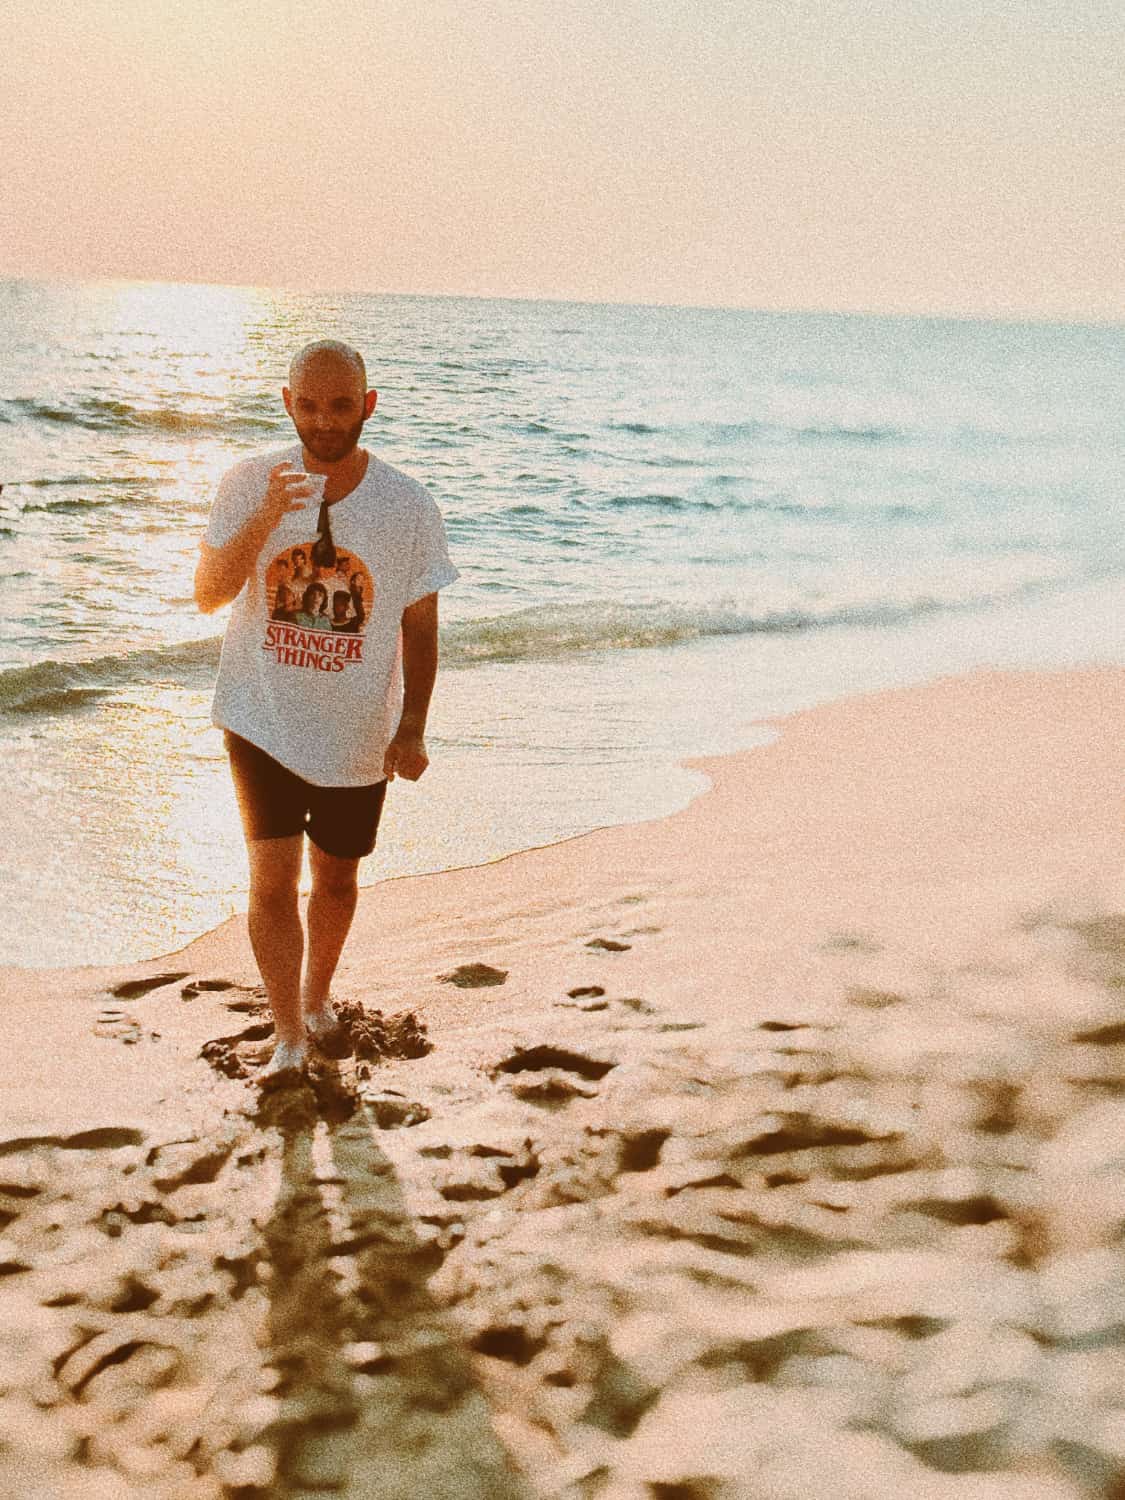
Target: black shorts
(276,803)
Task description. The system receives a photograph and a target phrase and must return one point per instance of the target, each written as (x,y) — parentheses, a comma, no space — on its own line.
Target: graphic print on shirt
(317,611)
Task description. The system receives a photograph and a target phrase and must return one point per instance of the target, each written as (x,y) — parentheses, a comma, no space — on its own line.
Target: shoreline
(774,1137)
(778,725)
(85,900)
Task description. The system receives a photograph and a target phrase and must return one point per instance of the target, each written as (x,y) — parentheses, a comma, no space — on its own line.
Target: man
(343,617)
(316,723)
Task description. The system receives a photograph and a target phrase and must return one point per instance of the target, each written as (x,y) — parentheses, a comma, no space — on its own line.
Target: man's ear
(368,404)
(287,398)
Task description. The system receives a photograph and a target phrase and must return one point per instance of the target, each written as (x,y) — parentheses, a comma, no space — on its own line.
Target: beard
(330,447)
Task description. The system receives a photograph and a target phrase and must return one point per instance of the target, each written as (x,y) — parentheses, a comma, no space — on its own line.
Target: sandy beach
(773,1149)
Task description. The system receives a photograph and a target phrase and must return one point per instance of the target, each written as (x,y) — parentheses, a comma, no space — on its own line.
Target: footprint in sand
(133,989)
(193,1160)
(585,997)
(870,999)
(551,1075)
(474,976)
(614,945)
(203,986)
(154,1351)
(850,942)
(634,1002)
(116,1022)
(251,1000)
(544,1055)
(592,997)
(391,1109)
(222,1052)
(248,1005)
(101,1138)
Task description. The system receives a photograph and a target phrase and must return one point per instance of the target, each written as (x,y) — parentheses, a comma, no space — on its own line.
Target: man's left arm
(406,753)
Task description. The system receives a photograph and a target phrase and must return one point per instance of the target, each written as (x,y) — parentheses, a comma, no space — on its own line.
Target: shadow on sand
(377,1398)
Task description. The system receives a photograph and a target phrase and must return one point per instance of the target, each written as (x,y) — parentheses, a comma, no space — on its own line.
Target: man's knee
(332,876)
(273,882)
(275,869)
(268,889)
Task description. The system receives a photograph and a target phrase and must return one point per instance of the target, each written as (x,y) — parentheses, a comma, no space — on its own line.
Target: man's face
(328,406)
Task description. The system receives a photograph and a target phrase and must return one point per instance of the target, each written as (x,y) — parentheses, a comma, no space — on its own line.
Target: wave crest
(541,632)
(53,686)
(100,414)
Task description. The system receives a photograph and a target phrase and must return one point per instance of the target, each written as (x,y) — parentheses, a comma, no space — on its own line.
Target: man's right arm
(221,571)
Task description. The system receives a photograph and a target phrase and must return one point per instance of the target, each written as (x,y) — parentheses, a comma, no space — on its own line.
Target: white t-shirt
(325,703)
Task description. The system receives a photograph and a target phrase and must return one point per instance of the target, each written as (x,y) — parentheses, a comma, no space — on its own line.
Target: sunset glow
(897,156)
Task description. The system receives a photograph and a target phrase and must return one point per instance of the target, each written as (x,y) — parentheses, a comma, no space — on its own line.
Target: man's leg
(275,928)
(331,908)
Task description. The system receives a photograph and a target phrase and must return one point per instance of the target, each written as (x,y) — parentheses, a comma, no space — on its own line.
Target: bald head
(327,352)
(328,400)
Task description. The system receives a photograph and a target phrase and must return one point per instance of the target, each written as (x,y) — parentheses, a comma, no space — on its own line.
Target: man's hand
(221,571)
(406,755)
(288,491)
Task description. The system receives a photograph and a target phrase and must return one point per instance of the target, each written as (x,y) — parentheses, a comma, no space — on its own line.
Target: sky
(947,157)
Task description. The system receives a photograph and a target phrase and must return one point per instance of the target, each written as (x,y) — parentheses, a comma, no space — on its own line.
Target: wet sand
(772,1149)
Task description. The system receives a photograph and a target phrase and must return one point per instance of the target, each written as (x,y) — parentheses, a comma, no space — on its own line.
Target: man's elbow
(207,600)
(203,601)
(214,585)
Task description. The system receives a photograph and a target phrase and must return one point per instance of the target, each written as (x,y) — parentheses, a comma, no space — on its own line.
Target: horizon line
(1018,319)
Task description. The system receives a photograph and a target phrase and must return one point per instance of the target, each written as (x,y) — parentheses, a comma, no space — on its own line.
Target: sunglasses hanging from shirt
(323,551)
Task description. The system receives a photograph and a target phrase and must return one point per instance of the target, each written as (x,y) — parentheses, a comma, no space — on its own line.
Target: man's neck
(343,476)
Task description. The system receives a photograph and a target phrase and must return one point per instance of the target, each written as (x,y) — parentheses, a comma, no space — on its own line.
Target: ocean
(671,524)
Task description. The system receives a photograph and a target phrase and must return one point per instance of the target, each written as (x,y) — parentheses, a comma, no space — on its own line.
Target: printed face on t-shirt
(316,615)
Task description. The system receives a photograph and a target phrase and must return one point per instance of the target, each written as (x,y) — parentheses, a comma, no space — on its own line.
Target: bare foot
(321,1020)
(287,1056)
